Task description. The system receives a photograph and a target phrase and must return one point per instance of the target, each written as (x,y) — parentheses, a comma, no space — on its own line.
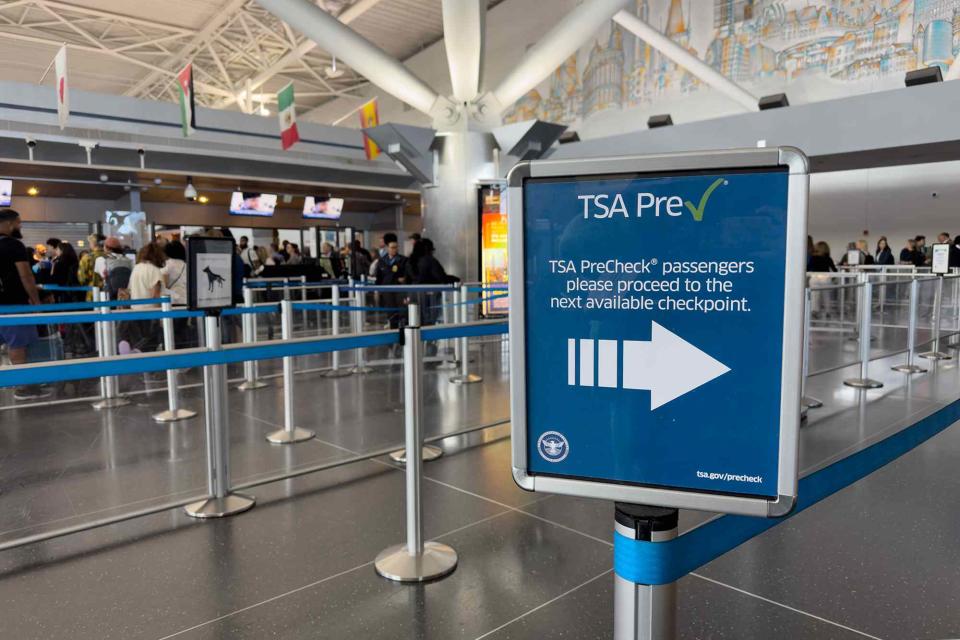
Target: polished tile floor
(877,560)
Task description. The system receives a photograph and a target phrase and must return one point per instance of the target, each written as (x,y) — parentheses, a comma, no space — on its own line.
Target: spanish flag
(370,118)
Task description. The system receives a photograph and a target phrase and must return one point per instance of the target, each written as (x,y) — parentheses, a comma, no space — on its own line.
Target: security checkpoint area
(479,319)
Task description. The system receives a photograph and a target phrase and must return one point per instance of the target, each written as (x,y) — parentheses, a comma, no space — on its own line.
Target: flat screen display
(129,226)
(6,193)
(322,208)
(252,203)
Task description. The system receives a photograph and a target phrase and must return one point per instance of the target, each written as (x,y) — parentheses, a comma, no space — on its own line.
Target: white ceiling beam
(568,35)
(683,58)
(202,37)
(352,12)
(464,22)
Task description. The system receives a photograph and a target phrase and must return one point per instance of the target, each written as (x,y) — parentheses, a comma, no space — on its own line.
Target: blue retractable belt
(250,311)
(444,333)
(78,306)
(81,318)
(643,562)
(312,306)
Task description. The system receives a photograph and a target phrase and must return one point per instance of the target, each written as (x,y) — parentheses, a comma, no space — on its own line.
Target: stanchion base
(909,368)
(395,563)
(810,403)
(429,452)
(252,385)
(471,378)
(110,403)
(448,365)
(174,416)
(863,383)
(338,373)
(220,507)
(290,437)
(360,371)
(936,355)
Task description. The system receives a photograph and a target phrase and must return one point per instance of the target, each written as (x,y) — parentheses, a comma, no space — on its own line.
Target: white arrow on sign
(668,366)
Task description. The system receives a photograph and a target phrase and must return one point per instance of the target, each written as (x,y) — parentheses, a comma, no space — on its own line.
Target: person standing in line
(114,268)
(249,256)
(17,287)
(908,251)
(922,254)
(821,266)
(884,254)
(146,282)
(392,270)
(175,287)
(86,273)
(295,258)
(954,253)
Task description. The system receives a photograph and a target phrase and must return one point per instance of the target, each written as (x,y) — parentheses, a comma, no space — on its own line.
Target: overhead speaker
(927,75)
(774,101)
(662,120)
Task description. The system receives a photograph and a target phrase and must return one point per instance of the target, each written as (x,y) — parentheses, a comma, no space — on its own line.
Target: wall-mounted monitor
(6,193)
(322,207)
(252,203)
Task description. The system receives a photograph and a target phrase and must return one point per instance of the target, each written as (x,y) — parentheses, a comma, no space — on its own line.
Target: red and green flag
(286,110)
(187,111)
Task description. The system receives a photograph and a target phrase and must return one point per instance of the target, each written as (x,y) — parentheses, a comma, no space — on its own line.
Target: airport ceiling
(135,47)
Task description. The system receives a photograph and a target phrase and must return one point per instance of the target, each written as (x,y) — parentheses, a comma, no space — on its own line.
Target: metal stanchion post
(936,354)
(289,434)
(448,363)
(465,376)
(303,298)
(415,561)
(358,322)
(643,611)
(956,309)
(173,412)
(251,368)
(805,401)
(335,370)
(909,366)
(98,339)
(864,381)
(222,502)
(108,342)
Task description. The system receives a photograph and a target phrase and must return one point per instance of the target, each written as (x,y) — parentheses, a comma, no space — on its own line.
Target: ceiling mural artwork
(823,48)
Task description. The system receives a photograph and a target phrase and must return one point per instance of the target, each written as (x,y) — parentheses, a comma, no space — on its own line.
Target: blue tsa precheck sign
(657,327)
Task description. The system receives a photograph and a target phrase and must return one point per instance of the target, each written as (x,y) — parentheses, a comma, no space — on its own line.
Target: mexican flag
(187,112)
(63,93)
(369,118)
(287,112)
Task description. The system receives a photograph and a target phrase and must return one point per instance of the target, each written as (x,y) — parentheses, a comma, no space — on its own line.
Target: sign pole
(222,502)
(642,611)
(415,561)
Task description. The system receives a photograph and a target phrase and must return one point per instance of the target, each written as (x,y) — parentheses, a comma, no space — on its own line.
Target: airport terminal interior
(479,319)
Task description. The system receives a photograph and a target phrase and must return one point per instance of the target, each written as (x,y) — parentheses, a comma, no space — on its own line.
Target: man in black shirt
(17,287)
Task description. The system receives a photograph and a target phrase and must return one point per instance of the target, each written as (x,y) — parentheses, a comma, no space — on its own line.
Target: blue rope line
(82,318)
(445,333)
(665,562)
(78,306)
(313,306)
(249,311)
(292,284)
(412,288)
(57,287)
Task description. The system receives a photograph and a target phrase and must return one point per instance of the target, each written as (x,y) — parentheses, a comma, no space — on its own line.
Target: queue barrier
(82,318)
(658,563)
(57,287)
(79,306)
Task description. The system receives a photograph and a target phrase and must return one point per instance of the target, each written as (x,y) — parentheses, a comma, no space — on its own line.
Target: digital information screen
(246,203)
(322,208)
(493,247)
(661,321)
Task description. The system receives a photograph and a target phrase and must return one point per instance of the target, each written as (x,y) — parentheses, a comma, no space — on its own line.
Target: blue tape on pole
(250,311)
(664,562)
(81,318)
(462,331)
(78,306)
(62,371)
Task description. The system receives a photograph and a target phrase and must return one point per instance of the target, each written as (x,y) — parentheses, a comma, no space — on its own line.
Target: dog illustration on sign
(213,278)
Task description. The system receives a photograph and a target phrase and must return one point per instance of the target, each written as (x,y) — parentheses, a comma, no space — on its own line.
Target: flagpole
(52,62)
(353,111)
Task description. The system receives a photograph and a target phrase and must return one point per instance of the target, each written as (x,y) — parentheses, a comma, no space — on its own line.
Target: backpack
(119,269)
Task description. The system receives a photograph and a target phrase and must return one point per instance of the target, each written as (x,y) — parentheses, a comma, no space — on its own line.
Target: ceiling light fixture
(190,192)
(332,71)
(33,191)
(203,199)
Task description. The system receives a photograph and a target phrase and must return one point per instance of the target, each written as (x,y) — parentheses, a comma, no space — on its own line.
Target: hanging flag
(287,111)
(187,112)
(63,95)
(370,118)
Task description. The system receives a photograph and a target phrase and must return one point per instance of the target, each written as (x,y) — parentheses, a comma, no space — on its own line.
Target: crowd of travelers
(58,273)
(915,252)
